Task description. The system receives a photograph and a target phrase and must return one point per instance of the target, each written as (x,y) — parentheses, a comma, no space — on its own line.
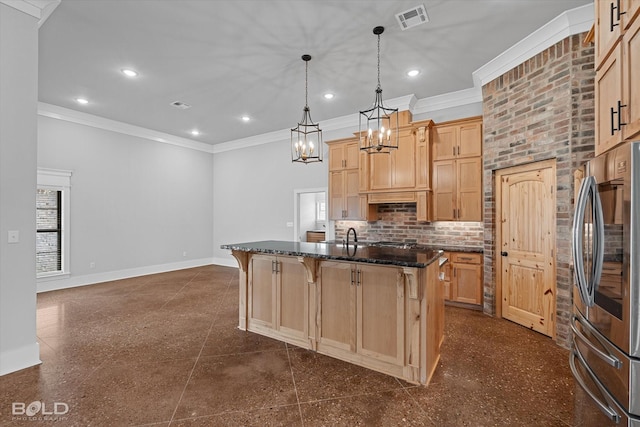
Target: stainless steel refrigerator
(605,358)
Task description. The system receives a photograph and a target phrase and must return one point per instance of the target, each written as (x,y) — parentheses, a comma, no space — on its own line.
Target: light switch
(13,236)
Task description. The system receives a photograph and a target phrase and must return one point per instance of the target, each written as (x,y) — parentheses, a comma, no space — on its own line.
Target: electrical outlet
(92,264)
(184,253)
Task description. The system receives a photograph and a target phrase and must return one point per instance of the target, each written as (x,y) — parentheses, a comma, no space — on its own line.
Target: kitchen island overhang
(378,307)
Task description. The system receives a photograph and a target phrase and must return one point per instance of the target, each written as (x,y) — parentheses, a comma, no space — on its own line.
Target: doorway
(311,220)
(525,245)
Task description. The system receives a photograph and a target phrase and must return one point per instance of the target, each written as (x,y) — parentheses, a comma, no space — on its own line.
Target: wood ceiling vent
(412,17)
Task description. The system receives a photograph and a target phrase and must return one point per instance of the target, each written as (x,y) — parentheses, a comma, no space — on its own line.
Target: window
(321,211)
(52,223)
(48,231)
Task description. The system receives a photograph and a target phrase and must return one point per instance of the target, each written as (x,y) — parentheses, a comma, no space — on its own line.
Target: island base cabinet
(278,298)
(377,317)
(386,318)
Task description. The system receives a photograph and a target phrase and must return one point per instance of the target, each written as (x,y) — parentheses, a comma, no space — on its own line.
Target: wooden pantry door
(526,236)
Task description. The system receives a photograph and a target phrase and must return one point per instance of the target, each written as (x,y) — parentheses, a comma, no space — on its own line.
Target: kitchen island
(377,307)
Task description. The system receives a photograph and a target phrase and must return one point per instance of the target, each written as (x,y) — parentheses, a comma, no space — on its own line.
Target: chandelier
(306,138)
(378,125)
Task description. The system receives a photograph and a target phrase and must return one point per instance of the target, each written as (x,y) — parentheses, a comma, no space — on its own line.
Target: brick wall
(541,109)
(397,222)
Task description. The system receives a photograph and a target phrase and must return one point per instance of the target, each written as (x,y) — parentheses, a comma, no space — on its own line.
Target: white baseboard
(225,262)
(19,358)
(50,284)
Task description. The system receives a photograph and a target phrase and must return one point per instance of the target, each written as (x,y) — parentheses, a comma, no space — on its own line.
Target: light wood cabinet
(457,189)
(277,298)
(457,139)
(463,278)
(457,171)
(315,236)
(395,170)
(617,89)
(362,310)
(466,278)
(383,317)
(345,180)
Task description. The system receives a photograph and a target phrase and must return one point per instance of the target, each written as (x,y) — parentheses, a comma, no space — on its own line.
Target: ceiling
(229,58)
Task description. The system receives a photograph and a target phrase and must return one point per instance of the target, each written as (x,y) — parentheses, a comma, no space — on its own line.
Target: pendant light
(306,138)
(378,126)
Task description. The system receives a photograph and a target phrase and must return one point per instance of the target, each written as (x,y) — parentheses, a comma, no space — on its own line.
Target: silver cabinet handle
(609,359)
(609,412)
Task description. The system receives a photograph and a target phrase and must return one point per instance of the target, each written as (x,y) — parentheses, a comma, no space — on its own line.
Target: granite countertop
(411,257)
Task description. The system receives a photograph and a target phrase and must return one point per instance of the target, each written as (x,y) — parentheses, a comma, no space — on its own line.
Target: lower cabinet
(278,297)
(362,310)
(463,278)
(382,317)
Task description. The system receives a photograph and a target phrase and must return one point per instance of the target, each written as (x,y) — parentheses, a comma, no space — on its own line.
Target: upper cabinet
(457,171)
(617,77)
(462,138)
(438,167)
(345,180)
(395,170)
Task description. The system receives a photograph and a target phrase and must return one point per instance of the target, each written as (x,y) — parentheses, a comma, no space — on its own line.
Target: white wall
(253,194)
(136,204)
(18,103)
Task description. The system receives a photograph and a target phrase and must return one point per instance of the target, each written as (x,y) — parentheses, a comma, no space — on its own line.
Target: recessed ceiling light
(129,73)
(195,132)
(413,73)
(82,101)
(328,96)
(245,118)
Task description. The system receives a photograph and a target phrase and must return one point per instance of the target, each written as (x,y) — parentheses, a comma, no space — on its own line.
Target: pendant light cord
(378,60)
(306,84)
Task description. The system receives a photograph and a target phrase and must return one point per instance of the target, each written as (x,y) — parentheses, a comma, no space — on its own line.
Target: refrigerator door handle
(588,192)
(609,359)
(604,407)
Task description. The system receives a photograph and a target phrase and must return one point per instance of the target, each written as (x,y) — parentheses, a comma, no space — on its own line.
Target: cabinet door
(466,283)
(470,140)
(261,304)
(607,28)
(608,88)
(336,195)
(403,162)
(380,313)
(631,80)
(336,295)
(444,187)
(380,171)
(445,141)
(469,189)
(336,157)
(352,155)
(352,195)
(631,9)
(292,292)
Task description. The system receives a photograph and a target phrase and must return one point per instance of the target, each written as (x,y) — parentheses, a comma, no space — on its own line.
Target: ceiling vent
(181,105)
(412,17)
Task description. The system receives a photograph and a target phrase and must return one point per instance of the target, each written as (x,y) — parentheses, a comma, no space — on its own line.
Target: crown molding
(73,116)
(339,123)
(40,9)
(448,100)
(573,21)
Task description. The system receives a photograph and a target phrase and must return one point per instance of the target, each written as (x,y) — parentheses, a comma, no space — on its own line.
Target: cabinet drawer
(466,258)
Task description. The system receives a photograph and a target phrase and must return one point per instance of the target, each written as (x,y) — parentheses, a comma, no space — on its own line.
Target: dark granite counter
(411,257)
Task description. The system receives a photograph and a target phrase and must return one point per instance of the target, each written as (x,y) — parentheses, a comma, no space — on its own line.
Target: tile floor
(163,350)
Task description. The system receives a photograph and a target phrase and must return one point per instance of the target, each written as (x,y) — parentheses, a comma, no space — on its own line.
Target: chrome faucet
(355,236)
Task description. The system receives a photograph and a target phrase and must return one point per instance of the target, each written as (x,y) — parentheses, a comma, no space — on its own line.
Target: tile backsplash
(397,222)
